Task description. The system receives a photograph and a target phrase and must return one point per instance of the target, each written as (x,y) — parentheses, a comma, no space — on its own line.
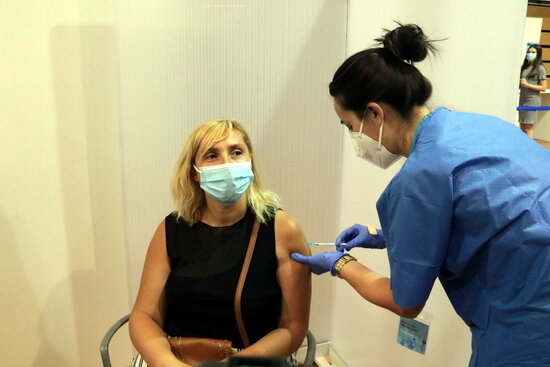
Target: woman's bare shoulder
(288,233)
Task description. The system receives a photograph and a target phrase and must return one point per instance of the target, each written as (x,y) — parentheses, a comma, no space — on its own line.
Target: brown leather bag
(196,350)
(192,350)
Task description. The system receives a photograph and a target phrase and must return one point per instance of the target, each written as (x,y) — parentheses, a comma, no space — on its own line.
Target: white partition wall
(266,64)
(476,70)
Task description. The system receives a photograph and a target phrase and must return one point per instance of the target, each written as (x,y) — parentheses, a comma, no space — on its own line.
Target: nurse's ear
(375,113)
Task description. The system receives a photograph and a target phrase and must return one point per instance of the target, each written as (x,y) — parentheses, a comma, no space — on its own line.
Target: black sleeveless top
(205,266)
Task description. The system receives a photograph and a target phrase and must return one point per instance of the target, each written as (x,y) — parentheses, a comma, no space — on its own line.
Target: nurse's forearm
(375,288)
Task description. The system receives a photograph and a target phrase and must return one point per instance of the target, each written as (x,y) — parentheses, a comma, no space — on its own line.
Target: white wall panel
(266,64)
(476,70)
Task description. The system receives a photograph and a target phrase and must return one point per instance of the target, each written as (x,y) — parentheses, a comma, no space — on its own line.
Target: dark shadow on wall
(83,67)
(21,335)
(59,345)
(64,341)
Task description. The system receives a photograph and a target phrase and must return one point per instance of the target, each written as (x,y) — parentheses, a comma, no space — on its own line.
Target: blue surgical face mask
(531,57)
(226,183)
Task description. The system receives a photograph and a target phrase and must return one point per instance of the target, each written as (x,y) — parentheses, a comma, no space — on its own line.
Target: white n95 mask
(372,150)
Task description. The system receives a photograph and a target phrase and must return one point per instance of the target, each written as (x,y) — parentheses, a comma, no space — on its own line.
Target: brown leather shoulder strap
(240,284)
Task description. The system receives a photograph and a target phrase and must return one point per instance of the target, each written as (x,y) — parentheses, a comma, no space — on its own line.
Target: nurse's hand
(360,236)
(320,263)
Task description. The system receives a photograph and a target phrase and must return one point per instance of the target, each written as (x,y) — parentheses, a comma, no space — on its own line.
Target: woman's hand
(171,361)
(523,82)
(538,88)
(181,364)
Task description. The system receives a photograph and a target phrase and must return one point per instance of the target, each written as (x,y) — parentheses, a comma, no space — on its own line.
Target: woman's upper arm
(150,298)
(294,278)
(542,76)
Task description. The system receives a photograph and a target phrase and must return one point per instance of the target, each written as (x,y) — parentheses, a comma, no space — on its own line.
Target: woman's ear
(195,175)
(375,113)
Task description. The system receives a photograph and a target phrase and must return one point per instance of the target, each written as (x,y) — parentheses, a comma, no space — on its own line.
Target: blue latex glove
(319,263)
(359,236)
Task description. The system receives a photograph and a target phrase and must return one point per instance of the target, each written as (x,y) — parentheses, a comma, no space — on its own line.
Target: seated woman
(195,257)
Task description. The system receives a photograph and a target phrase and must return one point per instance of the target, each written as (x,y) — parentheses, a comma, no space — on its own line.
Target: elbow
(139,319)
(410,312)
(133,324)
(298,332)
(135,318)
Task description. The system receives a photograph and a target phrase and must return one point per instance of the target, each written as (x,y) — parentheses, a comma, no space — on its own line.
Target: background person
(532,83)
(196,255)
(470,206)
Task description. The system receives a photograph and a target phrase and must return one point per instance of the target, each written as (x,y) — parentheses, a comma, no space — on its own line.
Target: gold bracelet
(340,264)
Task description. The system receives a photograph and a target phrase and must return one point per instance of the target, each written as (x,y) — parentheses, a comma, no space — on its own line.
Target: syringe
(370,227)
(322,244)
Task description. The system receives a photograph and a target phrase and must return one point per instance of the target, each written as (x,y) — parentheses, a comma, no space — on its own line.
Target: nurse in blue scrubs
(470,206)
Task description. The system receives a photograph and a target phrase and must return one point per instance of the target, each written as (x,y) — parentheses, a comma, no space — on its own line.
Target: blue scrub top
(471,206)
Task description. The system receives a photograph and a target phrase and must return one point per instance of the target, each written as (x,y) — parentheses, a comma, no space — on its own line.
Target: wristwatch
(341,262)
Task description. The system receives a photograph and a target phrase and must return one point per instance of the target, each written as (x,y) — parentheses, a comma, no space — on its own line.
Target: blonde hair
(187,193)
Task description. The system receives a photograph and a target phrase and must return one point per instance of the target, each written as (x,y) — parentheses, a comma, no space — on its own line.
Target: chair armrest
(311,349)
(104,346)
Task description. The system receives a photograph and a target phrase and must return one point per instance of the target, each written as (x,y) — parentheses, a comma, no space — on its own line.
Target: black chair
(104,346)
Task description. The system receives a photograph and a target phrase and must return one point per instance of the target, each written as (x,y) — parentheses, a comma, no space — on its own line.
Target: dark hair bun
(407,42)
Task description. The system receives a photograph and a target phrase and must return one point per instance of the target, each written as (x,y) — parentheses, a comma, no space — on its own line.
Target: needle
(322,244)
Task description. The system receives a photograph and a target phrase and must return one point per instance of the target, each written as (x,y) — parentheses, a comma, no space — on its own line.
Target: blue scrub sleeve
(418,226)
